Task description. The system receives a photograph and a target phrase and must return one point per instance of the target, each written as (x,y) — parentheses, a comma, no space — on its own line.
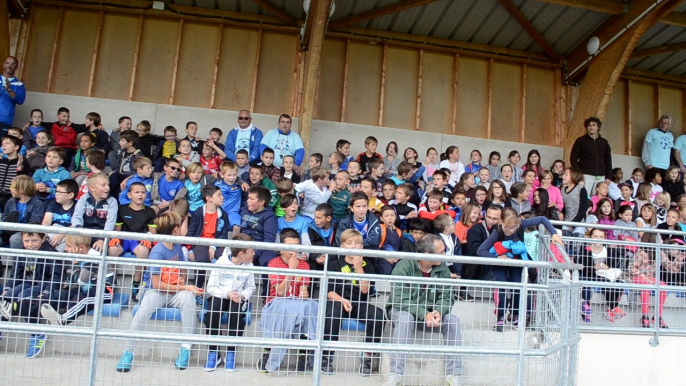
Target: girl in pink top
(533,162)
(554,195)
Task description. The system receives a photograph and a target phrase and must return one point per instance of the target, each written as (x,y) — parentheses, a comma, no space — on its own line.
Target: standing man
(658,145)
(592,154)
(413,306)
(13,93)
(284,142)
(680,153)
(244,137)
(476,235)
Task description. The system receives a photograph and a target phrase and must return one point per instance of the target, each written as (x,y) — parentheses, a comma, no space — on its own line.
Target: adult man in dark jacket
(592,154)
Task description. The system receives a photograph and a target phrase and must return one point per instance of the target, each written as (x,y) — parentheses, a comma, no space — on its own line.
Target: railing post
(655,340)
(521,332)
(565,324)
(318,353)
(97,313)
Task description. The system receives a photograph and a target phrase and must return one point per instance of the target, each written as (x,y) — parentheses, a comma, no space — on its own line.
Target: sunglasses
(174,168)
(244,118)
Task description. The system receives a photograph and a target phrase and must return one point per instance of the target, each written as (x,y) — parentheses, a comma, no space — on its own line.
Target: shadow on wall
(324,133)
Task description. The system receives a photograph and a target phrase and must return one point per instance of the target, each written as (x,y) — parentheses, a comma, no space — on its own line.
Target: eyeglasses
(58,192)
(511,229)
(244,118)
(174,168)
(170,136)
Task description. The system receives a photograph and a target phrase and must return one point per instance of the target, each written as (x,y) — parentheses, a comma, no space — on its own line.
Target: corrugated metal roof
(487,22)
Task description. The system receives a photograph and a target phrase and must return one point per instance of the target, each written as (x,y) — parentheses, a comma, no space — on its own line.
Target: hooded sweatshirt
(222,282)
(370,229)
(248,139)
(261,226)
(50,179)
(524,206)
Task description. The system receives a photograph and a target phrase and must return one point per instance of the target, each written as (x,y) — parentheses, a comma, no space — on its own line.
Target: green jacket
(340,201)
(419,299)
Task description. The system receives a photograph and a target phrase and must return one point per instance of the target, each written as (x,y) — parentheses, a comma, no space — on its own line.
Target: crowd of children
(55,174)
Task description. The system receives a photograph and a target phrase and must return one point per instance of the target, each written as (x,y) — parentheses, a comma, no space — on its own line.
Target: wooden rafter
(616,8)
(659,50)
(530,29)
(578,60)
(309,25)
(277,11)
(22,11)
(378,12)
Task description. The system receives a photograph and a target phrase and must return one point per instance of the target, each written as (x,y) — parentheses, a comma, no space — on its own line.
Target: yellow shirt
(168,149)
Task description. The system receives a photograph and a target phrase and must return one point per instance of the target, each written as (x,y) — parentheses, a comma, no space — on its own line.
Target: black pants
(202,255)
(612,295)
(115,180)
(372,316)
(213,319)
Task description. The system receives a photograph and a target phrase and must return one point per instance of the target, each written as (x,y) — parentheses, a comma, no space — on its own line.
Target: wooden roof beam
(277,11)
(310,22)
(378,12)
(615,8)
(579,59)
(659,50)
(530,29)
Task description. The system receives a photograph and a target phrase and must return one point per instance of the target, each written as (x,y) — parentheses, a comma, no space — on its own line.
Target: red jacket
(65,136)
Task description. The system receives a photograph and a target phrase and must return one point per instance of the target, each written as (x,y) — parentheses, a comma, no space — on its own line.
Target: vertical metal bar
(97,313)
(318,353)
(567,305)
(521,332)
(655,340)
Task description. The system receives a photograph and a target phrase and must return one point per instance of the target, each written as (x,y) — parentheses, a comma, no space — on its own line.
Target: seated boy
(259,222)
(135,217)
(291,218)
(166,185)
(335,161)
(377,173)
(343,147)
(30,284)
(349,298)
(440,182)
(315,161)
(208,222)
(391,240)
(290,313)
(232,193)
(216,136)
(97,209)
(53,172)
(78,297)
(362,220)
(230,292)
(370,144)
(64,131)
(143,167)
(23,208)
(211,157)
(340,198)
(266,162)
(95,161)
(166,149)
(354,169)
(434,206)
(321,232)
(368,187)
(387,191)
(314,192)
(242,162)
(283,186)
(10,167)
(418,228)
(167,287)
(125,159)
(59,211)
(256,178)
(444,226)
(404,209)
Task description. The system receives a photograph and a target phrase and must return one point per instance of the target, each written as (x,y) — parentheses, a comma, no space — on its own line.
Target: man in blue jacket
(245,136)
(13,93)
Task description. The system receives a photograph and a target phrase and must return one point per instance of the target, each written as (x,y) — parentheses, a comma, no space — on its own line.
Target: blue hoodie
(261,226)
(50,179)
(372,237)
(147,181)
(254,151)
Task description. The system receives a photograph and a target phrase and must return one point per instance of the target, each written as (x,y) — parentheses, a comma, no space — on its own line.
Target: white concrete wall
(607,359)
(324,133)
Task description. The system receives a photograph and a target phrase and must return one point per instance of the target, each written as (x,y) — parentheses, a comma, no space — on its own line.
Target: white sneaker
(53,317)
(453,380)
(393,380)
(5,309)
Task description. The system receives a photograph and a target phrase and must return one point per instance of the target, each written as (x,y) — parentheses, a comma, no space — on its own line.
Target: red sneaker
(609,315)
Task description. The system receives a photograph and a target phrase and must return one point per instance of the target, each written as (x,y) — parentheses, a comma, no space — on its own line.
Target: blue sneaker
(125,361)
(36,344)
(200,300)
(213,361)
(230,365)
(183,358)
